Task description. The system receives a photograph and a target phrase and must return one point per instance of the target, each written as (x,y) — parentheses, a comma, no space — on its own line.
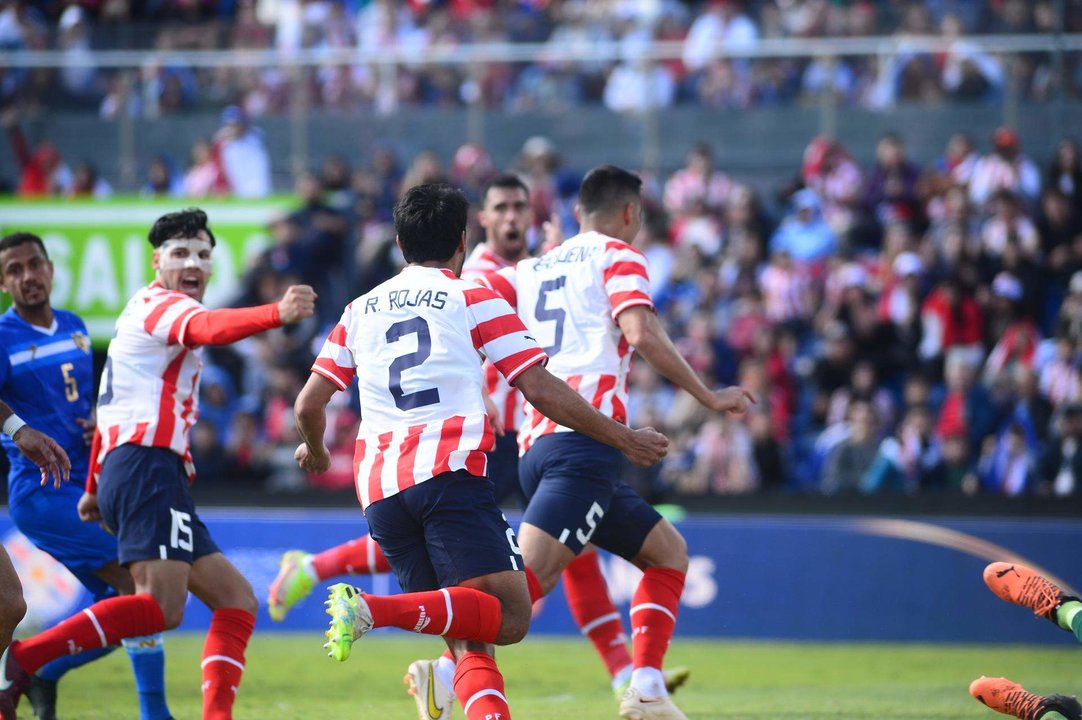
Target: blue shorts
(575,494)
(503,470)
(443,531)
(144,499)
(49,517)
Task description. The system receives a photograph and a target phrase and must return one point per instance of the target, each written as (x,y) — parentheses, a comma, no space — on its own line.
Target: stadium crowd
(701,75)
(907,327)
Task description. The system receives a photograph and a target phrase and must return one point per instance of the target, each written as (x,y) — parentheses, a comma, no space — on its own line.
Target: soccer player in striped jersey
(46,375)
(588,302)
(413,344)
(141,467)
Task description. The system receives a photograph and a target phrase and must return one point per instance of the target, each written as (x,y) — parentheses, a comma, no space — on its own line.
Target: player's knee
(12,612)
(173,615)
(249,603)
(514,624)
(664,547)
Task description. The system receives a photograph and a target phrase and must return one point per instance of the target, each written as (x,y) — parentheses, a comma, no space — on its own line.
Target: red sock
(456,612)
(223,660)
(597,618)
(479,687)
(534,586)
(356,557)
(653,615)
(102,624)
(448,654)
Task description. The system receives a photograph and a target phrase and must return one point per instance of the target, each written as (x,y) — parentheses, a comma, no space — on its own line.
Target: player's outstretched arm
(559,402)
(311,413)
(228,325)
(39,448)
(644,332)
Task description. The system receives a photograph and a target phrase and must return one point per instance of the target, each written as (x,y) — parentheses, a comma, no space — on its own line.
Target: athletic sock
(1076,624)
(597,618)
(654,608)
(360,556)
(56,669)
(533,586)
(1067,613)
(479,688)
(147,656)
(445,669)
(223,660)
(456,612)
(102,624)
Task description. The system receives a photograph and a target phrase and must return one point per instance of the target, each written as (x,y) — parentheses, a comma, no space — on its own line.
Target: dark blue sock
(56,669)
(147,655)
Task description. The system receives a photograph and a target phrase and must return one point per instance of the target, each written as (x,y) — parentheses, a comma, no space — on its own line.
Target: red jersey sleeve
(627,282)
(499,333)
(335,361)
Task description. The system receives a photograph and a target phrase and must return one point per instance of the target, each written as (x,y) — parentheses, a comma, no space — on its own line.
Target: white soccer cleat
(434,700)
(633,706)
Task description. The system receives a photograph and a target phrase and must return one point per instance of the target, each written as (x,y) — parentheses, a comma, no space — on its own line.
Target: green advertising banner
(102,256)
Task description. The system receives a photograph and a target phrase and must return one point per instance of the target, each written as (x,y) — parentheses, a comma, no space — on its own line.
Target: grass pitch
(289,677)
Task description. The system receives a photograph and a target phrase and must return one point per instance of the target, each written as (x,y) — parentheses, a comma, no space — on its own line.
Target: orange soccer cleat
(1019,585)
(1010,698)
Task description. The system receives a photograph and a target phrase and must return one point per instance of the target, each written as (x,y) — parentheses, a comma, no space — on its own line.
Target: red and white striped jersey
(149,392)
(413,343)
(481,263)
(569,299)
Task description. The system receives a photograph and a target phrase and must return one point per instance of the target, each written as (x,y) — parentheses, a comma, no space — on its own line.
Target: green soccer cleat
(350,619)
(291,586)
(674,679)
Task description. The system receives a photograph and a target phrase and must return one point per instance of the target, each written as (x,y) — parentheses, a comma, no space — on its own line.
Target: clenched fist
(298,303)
(646,447)
(313,462)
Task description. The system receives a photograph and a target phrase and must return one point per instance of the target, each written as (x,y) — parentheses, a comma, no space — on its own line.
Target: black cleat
(42,697)
(1066,706)
(13,683)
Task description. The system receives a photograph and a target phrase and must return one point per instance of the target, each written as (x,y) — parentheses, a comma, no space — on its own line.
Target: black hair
(607,188)
(506,181)
(21,238)
(430,220)
(183,224)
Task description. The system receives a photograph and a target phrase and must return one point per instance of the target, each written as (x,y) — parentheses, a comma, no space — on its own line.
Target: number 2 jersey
(47,378)
(414,344)
(569,299)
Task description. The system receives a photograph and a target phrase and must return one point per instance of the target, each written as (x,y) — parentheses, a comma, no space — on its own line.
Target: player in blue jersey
(46,377)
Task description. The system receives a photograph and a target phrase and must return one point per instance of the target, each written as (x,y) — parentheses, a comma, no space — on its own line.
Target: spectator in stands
(832,173)
(87,183)
(1060,466)
(1005,168)
(204,177)
(1008,463)
(959,159)
(951,319)
(1065,171)
(891,193)
(243,155)
(804,234)
(722,25)
(967,408)
(698,180)
(908,460)
(43,173)
(163,180)
(850,459)
(1008,224)
(969,73)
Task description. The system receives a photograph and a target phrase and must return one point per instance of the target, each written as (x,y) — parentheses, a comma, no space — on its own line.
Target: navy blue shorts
(443,531)
(503,471)
(145,501)
(49,517)
(575,494)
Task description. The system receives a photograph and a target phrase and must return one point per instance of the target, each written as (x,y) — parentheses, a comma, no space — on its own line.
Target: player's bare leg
(219,584)
(12,604)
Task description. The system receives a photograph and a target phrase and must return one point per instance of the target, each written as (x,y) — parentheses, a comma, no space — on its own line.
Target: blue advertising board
(795,578)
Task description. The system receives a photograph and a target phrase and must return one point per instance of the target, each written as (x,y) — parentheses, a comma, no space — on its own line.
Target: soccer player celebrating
(1022,586)
(141,467)
(413,345)
(505,216)
(46,373)
(589,302)
(51,460)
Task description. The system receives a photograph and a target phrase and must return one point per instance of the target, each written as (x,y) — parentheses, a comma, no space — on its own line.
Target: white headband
(193,261)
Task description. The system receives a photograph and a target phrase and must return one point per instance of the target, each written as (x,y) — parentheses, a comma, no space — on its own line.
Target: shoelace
(1022,704)
(1040,595)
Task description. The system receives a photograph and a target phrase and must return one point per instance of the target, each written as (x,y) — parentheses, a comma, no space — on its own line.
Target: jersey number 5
(556,314)
(71,385)
(417,398)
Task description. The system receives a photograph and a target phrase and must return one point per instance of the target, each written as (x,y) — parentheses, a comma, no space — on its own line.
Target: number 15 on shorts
(180,533)
(583,535)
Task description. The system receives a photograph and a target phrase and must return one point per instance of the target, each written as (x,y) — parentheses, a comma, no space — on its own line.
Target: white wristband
(13,424)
